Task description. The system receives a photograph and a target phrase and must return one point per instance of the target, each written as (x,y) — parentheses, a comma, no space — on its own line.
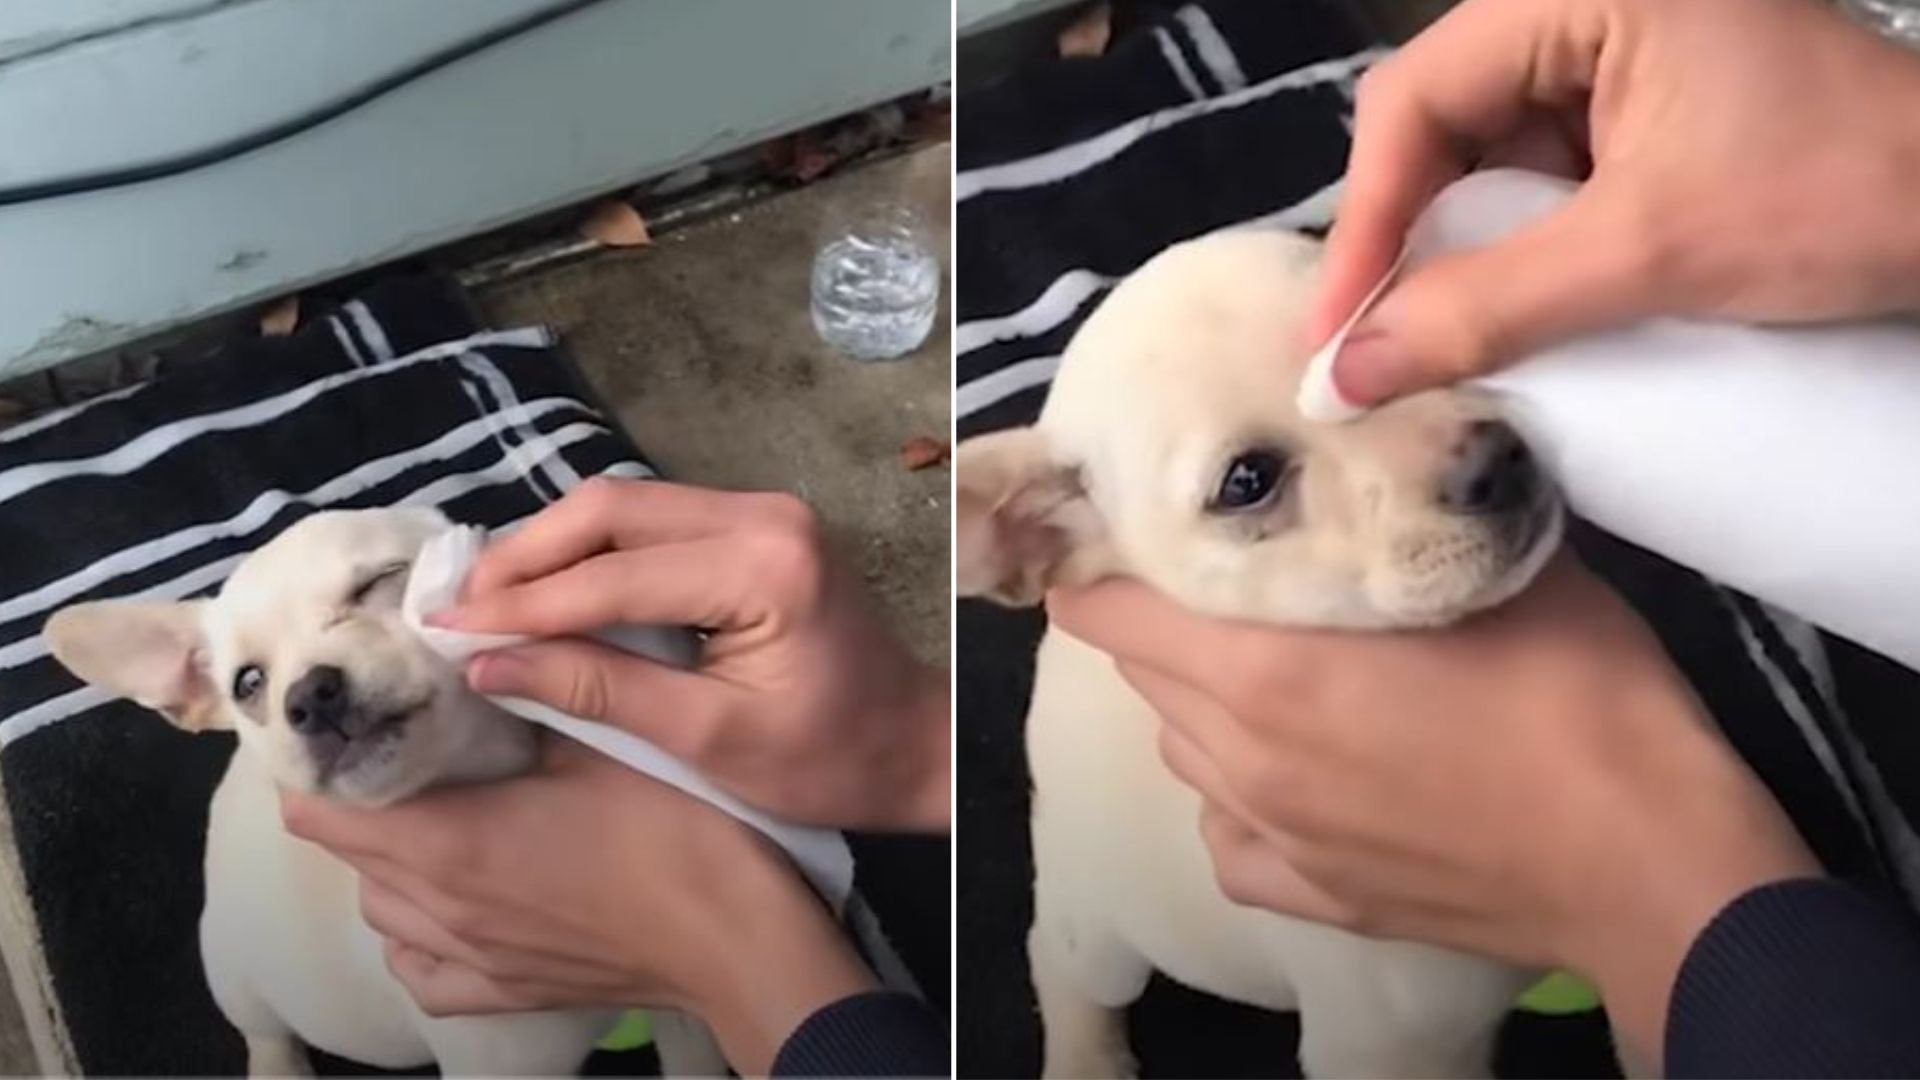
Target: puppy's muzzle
(1492,473)
(320,703)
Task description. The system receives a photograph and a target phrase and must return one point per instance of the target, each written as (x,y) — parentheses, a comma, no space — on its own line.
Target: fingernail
(496,672)
(445,618)
(1318,399)
(1372,366)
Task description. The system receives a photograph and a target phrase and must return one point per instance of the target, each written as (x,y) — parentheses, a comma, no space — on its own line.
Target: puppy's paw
(276,1056)
(1105,1059)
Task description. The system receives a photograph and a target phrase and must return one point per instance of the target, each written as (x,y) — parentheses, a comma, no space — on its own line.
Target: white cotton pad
(1319,398)
(434,585)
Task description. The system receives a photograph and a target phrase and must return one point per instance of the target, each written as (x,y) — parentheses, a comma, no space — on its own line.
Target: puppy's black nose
(318,700)
(1493,472)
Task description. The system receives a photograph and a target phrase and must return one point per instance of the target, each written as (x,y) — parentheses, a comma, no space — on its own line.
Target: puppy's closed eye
(393,574)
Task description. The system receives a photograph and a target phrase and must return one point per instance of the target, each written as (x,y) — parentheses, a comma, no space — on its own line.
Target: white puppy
(304,655)
(1170,450)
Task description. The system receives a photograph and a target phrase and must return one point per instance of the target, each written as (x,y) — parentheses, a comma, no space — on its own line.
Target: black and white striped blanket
(157,491)
(1072,173)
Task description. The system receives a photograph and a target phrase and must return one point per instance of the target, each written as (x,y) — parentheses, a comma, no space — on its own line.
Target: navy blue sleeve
(881,1033)
(1799,978)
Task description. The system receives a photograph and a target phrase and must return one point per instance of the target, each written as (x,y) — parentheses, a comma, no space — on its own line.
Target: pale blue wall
(600,98)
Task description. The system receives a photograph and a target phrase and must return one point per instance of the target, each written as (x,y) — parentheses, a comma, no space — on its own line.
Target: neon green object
(1559,994)
(634,1031)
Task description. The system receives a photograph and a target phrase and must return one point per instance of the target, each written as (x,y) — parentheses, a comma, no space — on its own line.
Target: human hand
(1750,159)
(804,703)
(1536,783)
(587,884)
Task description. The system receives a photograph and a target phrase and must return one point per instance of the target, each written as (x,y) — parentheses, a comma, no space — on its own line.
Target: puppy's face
(305,656)
(1170,450)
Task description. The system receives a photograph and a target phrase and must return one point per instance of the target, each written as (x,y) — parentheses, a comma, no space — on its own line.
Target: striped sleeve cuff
(1799,978)
(880,1033)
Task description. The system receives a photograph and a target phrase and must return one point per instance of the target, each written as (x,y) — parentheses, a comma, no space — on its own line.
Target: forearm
(1634,945)
(776,959)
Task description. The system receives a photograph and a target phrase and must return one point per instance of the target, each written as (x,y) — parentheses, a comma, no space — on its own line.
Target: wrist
(781,961)
(1687,863)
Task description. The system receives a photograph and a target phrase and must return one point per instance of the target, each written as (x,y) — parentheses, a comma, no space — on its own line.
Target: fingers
(1231,661)
(1397,164)
(676,710)
(397,918)
(449,988)
(1198,732)
(1468,80)
(336,826)
(1252,871)
(1132,622)
(433,831)
(707,583)
(600,515)
(1423,116)
(421,925)
(1549,143)
(1467,314)
(1194,766)
(604,514)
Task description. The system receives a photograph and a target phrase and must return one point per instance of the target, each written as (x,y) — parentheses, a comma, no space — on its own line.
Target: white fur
(288,956)
(1185,363)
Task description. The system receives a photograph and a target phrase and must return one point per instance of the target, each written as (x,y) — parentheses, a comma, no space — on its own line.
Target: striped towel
(158,491)
(1073,173)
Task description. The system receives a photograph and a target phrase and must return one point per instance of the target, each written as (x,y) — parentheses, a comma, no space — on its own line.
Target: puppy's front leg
(1081,1037)
(1362,1035)
(276,1055)
(687,1047)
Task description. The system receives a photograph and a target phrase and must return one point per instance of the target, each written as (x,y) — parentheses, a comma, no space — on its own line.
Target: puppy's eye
(247,682)
(1250,481)
(384,576)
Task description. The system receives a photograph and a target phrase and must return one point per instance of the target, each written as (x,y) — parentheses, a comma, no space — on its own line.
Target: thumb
(673,709)
(1474,312)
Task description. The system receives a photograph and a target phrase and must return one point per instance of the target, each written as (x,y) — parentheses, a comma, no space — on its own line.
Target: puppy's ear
(1024,520)
(152,653)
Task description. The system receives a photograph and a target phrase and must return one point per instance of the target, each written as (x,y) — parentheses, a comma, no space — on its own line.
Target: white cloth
(1784,462)
(434,585)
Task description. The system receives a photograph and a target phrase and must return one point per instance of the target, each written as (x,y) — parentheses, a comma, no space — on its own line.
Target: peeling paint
(76,335)
(243,259)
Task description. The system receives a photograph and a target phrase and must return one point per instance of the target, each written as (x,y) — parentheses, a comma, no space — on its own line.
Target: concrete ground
(703,346)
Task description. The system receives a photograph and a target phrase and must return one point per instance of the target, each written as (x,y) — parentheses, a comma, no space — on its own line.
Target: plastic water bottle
(876,286)
(1895,20)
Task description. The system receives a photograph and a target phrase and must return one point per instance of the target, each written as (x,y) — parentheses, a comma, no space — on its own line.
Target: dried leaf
(932,122)
(1088,35)
(616,223)
(813,156)
(921,452)
(777,154)
(280,319)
